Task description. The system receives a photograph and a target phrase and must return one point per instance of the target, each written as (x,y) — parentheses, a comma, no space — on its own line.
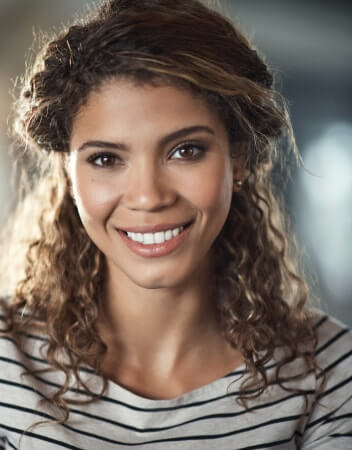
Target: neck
(164,342)
(158,327)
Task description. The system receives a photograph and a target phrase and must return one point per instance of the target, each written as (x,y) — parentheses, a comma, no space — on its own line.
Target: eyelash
(201,150)
(114,159)
(100,155)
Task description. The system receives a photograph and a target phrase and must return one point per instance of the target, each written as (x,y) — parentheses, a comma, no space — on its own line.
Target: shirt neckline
(224,386)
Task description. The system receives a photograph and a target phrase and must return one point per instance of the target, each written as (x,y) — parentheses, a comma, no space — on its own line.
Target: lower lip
(155,250)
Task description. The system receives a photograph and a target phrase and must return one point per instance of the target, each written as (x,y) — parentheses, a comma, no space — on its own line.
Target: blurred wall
(309,46)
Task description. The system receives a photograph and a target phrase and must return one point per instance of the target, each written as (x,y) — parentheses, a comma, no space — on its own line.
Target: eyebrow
(183,132)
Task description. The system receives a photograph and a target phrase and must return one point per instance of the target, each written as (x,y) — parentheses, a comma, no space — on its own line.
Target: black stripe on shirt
(335,363)
(53,420)
(44,381)
(21,386)
(122,425)
(320,322)
(331,341)
(342,416)
(112,441)
(118,402)
(41,360)
(341,435)
(269,444)
(245,371)
(133,407)
(40,437)
(27,355)
(6,440)
(36,377)
(187,422)
(222,435)
(334,388)
(127,405)
(329,417)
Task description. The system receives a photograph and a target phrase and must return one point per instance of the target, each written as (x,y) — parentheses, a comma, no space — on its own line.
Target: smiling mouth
(158,237)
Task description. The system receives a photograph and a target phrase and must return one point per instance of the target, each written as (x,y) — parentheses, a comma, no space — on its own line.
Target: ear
(239,165)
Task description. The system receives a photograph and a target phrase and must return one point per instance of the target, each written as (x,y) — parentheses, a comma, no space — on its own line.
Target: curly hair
(260,294)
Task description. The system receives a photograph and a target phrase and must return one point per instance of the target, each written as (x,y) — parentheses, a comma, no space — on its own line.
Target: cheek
(211,190)
(95,200)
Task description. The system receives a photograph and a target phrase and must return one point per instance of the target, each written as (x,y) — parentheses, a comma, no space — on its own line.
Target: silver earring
(239,184)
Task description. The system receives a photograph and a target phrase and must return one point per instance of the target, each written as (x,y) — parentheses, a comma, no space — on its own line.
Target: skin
(159,322)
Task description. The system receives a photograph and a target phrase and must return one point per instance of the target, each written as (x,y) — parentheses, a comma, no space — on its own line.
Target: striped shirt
(206,418)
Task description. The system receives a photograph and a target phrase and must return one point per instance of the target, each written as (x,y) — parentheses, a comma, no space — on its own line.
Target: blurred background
(309,46)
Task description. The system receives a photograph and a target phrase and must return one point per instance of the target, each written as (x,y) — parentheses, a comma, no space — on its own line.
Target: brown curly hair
(261,297)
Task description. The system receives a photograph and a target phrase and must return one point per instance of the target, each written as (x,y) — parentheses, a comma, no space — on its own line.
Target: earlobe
(238,184)
(239,168)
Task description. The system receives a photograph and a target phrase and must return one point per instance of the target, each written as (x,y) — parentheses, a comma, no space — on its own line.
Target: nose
(148,188)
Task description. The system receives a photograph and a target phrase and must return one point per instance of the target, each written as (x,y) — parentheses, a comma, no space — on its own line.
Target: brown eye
(104,160)
(188,152)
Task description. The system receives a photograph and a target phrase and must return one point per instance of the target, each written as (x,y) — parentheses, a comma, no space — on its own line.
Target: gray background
(309,46)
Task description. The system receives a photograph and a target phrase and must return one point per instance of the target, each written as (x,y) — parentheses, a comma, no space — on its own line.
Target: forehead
(128,109)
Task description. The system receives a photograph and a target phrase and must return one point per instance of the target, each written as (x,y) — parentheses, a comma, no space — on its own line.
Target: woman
(156,304)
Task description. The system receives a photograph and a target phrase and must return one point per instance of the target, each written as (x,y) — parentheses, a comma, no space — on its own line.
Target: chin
(157,282)
(154,278)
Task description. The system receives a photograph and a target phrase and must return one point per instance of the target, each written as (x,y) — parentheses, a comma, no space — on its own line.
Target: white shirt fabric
(206,418)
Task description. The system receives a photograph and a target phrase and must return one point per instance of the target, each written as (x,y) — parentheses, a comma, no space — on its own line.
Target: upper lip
(154,228)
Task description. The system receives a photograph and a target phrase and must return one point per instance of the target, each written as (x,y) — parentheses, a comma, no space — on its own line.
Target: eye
(105,160)
(188,152)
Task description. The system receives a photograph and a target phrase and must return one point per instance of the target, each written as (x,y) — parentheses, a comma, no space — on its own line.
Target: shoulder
(334,345)
(334,359)
(18,350)
(329,424)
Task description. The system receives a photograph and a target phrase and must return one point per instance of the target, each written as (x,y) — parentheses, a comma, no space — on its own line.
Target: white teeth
(148,238)
(159,237)
(154,238)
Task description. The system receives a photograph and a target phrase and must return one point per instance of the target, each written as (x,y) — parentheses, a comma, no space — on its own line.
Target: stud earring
(239,184)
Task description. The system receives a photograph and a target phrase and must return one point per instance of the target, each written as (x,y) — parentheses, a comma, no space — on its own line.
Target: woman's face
(152,178)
